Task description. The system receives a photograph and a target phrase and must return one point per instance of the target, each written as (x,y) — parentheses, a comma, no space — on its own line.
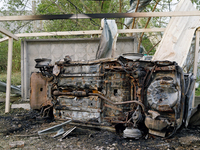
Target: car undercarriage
(135,97)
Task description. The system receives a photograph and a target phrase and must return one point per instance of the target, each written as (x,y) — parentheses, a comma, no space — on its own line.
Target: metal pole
(195,62)
(9,70)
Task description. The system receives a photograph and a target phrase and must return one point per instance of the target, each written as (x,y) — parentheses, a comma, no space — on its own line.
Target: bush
(16,57)
(3,56)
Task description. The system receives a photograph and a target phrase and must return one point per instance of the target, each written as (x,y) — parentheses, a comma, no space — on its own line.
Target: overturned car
(133,96)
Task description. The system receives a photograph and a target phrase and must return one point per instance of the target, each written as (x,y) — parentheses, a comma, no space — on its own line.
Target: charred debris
(135,97)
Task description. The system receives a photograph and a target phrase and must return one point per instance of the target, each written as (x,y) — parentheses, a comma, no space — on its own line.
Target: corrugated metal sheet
(178,35)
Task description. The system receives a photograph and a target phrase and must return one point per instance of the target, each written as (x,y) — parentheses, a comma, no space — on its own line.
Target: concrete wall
(55,49)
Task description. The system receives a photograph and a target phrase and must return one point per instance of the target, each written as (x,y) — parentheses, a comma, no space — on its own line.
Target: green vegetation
(76,7)
(197,92)
(15,78)
(48,7)
(16,61)
(3,56)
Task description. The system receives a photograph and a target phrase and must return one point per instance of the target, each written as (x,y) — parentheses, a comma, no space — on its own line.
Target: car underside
(133,96)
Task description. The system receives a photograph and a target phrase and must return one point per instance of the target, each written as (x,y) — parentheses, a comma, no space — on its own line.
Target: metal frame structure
(86,32)
(84,16)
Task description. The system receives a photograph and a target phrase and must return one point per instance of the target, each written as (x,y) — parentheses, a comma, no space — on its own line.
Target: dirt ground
(23,125)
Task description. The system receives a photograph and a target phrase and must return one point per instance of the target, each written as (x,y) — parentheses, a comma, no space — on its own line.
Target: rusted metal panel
(39,90)
(78,107)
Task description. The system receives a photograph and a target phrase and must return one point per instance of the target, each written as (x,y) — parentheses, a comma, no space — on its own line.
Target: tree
(75,7)
(24,7)
(151,39)
(14,7)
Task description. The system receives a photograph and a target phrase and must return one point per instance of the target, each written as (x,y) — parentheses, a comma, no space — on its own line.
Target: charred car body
(135,96)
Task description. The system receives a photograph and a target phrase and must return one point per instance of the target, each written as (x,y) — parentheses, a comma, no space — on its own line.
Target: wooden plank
(195,62)
(196,53)
(141,30)
(59,33)
(82,32)
(9,70)
(4,39)
(101,15)
(9,34)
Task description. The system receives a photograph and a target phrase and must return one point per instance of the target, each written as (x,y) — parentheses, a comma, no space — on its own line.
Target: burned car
(133,96)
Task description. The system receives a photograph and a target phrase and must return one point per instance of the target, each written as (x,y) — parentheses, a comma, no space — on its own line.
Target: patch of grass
(15,78)
(2,95)
(197,91)
(2,108)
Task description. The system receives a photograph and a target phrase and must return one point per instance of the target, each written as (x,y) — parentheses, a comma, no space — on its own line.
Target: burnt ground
(23,125)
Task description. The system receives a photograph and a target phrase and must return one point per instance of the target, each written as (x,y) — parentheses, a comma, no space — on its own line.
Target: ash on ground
(23,125)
